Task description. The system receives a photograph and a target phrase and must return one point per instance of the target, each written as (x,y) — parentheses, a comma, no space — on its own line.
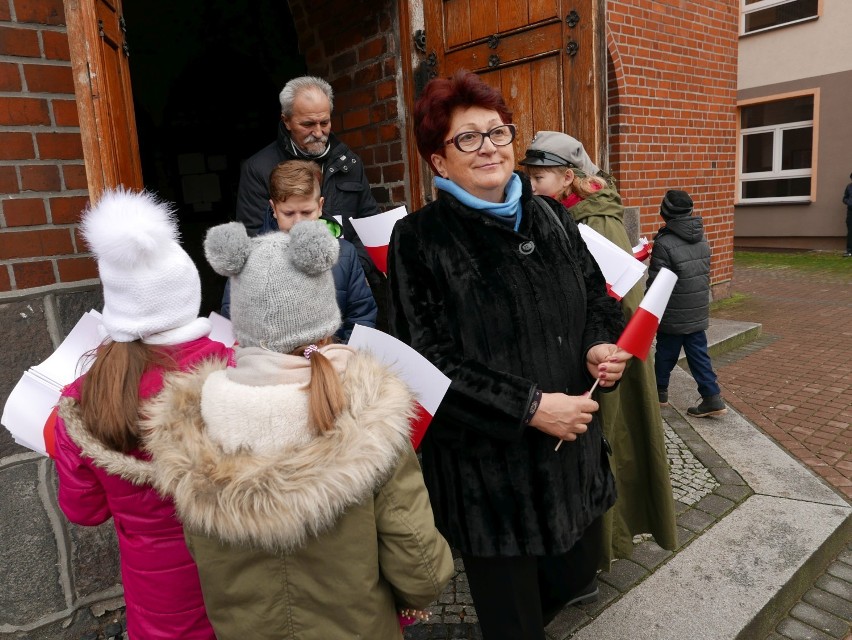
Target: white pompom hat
(152,290)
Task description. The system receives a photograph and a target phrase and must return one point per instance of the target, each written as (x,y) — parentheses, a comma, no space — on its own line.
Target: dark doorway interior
(206,76)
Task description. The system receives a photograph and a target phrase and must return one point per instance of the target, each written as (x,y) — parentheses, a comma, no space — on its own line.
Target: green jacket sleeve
(413,556)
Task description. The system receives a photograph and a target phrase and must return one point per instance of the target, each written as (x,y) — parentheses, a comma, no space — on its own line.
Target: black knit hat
(676,204)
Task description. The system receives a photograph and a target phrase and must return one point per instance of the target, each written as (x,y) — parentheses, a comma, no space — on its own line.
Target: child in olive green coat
(293,472)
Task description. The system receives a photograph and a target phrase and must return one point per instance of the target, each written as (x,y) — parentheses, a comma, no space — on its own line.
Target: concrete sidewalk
(751,542)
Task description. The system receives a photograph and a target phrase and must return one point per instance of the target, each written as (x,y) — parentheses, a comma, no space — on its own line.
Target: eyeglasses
(469,141)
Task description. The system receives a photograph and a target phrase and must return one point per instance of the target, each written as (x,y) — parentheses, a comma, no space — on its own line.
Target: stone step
(739,578)
(726,335)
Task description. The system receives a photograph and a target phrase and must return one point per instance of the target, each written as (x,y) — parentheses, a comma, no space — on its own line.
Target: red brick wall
(358,54)
(42,177)
(672,111)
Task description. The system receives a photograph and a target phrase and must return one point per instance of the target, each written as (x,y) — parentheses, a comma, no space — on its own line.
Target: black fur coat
(500,313)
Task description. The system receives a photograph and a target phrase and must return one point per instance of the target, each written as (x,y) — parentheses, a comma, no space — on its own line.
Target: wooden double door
(546,56)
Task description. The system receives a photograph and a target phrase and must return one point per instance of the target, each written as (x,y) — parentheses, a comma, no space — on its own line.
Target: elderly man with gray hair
(304,133)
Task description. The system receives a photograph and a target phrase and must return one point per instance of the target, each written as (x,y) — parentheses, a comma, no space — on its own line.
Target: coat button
(526,248)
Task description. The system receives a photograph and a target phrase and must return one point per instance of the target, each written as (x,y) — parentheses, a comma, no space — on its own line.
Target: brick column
(672,111)
(358,53)
(57,578)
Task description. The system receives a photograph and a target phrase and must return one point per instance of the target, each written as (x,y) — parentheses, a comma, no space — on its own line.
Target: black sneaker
(663,395)
(589,594)
(710,406)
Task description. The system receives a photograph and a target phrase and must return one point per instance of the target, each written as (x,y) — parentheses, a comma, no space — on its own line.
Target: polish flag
(640,331)
(424,379)
(375,233)
(620,270)
(642,250)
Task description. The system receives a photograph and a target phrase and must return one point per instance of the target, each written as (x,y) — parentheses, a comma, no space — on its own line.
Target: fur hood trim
(275,501)
(126,466)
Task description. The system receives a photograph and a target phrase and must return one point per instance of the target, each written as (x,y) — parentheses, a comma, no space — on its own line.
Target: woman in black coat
(498,290)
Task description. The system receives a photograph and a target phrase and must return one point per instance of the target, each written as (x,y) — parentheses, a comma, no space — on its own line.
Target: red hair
(441,98)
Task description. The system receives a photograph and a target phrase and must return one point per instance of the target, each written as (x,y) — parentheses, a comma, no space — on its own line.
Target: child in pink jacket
(152,294)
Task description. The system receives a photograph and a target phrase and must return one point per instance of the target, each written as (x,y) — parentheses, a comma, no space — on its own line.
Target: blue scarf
(508,211)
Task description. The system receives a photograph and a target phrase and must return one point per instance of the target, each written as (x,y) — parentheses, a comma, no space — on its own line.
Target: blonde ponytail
(326,400)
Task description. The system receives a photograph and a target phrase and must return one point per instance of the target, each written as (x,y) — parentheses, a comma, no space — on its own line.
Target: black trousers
(848,229)
(515,598)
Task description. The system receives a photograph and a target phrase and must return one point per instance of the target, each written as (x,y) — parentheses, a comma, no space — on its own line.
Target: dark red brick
(75,176)
(40,11)
(16,146)
(55,45)
(393,173)
(10,76)
(44,78)
(24,212)
(59,146)
(33,244)
(389,132)
(5,280)
(355,119)
(8,180)
(33,274)
(372,49)
(67,210)
(74,269)
(40,177)
(368,75)
(65,113)
(23,111)
(19,42)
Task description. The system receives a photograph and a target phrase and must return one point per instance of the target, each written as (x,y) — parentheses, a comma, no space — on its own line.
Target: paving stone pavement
(795,381)
(795,384)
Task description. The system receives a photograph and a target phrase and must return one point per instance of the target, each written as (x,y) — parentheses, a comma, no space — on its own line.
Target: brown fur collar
(126,466)
(275,501)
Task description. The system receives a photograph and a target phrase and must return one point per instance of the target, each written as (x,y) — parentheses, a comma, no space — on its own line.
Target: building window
(759,15)
(776,150)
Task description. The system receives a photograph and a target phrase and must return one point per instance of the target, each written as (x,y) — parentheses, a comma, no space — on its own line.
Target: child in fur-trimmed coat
(293,472)
(152,294)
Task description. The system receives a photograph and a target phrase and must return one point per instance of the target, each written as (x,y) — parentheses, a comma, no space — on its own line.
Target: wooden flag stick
(591,391)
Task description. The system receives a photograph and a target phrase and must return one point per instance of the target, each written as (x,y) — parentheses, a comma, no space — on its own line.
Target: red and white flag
(640,331)
(620,270)
(425,380)
(375,233)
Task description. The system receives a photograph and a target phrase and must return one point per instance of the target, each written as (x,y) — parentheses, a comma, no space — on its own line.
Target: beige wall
(820,224)
(815,48)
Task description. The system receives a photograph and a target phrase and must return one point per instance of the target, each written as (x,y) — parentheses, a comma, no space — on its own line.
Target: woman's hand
(563,416)
(606,362)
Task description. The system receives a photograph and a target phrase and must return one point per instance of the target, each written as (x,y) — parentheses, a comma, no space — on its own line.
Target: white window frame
(777,150)
(766,4)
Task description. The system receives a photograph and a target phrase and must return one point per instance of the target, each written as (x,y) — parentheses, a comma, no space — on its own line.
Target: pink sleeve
(81,495)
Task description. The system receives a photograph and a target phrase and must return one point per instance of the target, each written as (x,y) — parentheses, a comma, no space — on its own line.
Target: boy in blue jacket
(294,189)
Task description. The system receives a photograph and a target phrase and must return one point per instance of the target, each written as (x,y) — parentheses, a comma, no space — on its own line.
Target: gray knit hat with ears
(282,290)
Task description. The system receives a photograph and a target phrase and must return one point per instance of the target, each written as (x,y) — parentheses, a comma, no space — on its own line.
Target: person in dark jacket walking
(295,188)
(497,289)
(680,247)
(847,200)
